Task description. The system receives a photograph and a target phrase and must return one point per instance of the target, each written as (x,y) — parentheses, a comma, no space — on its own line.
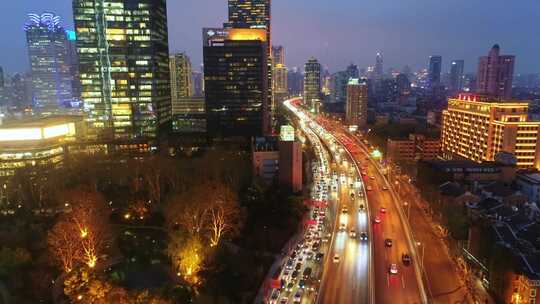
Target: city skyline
(404,32)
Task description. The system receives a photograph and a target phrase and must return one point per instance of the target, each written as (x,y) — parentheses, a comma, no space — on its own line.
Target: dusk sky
(338,32)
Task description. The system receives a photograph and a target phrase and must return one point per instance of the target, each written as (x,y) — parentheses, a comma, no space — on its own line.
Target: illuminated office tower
(124,66)
(280,82)
(495,74)
(48,54)
(256,14)
(434,71)
(235,82)
(357,103)
(181,78)
(456,76)
(312,84)
(378,70)
(478,127)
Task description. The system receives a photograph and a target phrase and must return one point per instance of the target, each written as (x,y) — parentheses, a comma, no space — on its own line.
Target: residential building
(124,66)
(357,103)
(416,147)
(290,165)
(49,64)
(478,127)
(181,76)
(495,74)
(236,105)
(312,84)
(434,71)
(456,76)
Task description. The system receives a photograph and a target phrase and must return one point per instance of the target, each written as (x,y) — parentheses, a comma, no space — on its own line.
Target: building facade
(312,84)
(456,76)
(124,66)
(235,73)
(290,165)
(495,74)
(181,78)
(278,55)
(188,115)
(416,148)
(478,127)
(49,63)
(434,71)
(357,103)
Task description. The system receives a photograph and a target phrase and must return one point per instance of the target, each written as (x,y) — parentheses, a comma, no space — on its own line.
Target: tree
(64,244)
(224,212)
(187,255)
(187,211)
(83,234)
(12,259)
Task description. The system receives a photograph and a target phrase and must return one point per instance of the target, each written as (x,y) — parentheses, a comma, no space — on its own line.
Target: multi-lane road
(363,230)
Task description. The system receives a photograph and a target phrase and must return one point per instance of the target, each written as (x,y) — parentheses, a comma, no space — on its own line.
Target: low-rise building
(265,158)
(529,183)
(416,148)
(38,142)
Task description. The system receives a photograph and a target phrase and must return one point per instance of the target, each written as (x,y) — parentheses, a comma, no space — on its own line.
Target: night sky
(338,32)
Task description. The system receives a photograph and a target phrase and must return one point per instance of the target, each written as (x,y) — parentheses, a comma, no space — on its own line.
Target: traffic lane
(444,282)
(347,279)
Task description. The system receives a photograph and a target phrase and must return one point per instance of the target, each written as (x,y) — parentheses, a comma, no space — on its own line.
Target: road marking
(403,281)
(388,280)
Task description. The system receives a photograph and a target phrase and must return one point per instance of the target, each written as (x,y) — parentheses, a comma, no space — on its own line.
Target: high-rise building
(434,71)
(198,83)
(339,90)
(278,55)
(456,76)
(280,77)
(378,69)
(352,71)
(478,127)
(312,84)
(2,83)
(181,73)
(495,74)
(357,103)
(48,54)
(403,88)
(235,82)
(255,14)
(124,65)
(73,62)
(295,82)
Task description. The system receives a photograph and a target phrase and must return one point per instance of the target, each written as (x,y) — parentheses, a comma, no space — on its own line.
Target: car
(342,227)
(385,188)
(344,210)
(302,283)
(388,242)
(352,195)
(372,177)
(298,266)
(364,173)
(275,296)
(289,287)
(361,208)
(335,259)
(363,236)
(383,210)
(309,255)
(298,296)
(294,275)
(284,300)
(352,233)
(377,220)
(289,264)
(369,188)
(319,256)
(393,269)
(406,259)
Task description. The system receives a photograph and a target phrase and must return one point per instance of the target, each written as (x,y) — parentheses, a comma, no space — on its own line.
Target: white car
(393,269)
(335,259)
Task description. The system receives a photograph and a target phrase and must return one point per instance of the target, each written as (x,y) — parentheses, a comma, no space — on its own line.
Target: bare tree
(64,244)
(223,214)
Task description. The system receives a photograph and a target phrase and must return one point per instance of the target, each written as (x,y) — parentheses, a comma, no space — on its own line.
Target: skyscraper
(495,73)
(73,62)
(295,82)
(235,82)
(403,88)
(434,71)
(181,81)
(47,51)
(255,14)
(312,84)
(2,83)
(357,103)
(456,76)
(352,71)
(278,55)
(280,77)
(124,65)
(378,70)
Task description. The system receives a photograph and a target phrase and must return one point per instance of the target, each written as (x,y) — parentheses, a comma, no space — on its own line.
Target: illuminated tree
(188,211)
(187,255)
(64,244)
(223,214)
